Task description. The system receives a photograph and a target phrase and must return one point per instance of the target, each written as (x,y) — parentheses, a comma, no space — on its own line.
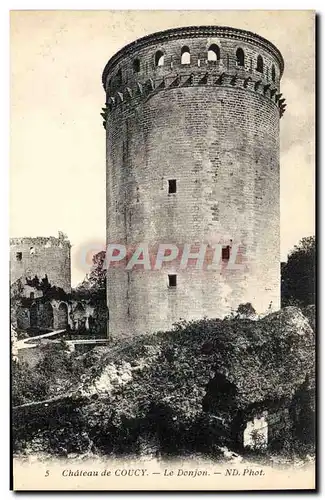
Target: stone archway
(33,316)
(63,316)
(22,318)
(48,319)
(79,316)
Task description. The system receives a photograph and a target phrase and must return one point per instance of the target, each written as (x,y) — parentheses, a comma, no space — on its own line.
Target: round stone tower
(192,139)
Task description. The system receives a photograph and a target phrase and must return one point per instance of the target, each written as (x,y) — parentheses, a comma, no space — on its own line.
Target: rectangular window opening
(172,280)
(172,186)
(226,253)
(19,256)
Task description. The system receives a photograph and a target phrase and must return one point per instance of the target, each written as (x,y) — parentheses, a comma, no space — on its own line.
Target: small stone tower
(192,139)
(40,256)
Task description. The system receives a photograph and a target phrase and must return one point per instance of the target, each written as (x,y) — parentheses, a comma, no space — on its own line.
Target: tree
(97,275)
(298,274)
(93,290)
(95,282)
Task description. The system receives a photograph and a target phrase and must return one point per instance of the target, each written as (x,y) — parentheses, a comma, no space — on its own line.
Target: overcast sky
(57,137)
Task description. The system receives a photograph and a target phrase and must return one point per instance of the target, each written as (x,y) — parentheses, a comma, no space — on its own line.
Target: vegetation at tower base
(189,390)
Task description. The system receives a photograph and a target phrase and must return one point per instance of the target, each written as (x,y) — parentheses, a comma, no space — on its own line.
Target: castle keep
(30,257)
(192,140)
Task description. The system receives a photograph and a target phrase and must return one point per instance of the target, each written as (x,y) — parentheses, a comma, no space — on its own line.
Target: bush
(27,385)
(57,369)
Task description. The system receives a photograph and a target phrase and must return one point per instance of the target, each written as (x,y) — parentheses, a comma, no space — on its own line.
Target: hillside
(192,388)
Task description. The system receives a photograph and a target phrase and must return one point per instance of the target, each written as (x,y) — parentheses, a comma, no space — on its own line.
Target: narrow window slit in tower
(172,186)
(118,78)
(172,280)
(260,64)
(19,256)
(225,254)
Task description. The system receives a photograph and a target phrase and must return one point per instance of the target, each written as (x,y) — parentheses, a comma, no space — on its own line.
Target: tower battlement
(194,56)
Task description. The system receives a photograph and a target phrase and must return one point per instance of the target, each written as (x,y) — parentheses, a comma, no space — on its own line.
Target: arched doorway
(79,317)
(33,316)
(47,315)
(91,323)
(63,316)
(22,318)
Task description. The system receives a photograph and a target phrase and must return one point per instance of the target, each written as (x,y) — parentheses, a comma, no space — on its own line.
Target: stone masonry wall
(40,256)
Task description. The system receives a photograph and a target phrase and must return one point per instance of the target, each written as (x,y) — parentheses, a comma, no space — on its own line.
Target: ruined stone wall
(213,126)
(75,316)
(40,256)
